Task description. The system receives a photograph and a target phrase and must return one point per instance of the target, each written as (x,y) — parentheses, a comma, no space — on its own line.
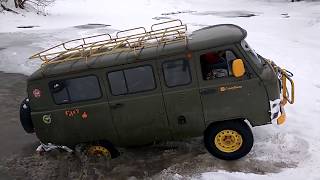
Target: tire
(102,148)
(229,140)
(25,116)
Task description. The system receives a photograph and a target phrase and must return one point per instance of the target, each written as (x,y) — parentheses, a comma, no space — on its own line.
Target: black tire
(25,116)
(215,131)
(109,146)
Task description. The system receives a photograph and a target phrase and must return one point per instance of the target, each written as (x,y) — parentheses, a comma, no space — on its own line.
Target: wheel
(25,116)
(102,148)
(229,140)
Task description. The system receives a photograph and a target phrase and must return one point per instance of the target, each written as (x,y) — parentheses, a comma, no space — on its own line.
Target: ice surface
(287,33)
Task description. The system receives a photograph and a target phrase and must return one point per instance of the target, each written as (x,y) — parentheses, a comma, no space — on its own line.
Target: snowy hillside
(287,33)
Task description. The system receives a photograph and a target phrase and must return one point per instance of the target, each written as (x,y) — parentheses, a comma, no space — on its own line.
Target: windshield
(256,59)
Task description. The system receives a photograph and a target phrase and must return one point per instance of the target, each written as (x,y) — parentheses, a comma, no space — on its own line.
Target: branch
(8,9)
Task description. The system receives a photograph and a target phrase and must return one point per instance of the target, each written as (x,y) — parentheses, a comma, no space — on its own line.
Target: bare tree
(33,5)
(38,5)
(19,3)
(5,8)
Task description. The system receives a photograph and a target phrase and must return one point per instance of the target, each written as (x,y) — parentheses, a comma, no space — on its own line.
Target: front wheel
(229,140)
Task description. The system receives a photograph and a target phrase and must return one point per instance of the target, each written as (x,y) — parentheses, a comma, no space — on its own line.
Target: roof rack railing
(135,39)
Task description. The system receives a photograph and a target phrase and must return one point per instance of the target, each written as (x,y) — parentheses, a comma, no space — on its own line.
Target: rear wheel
(103,149)
(229,140)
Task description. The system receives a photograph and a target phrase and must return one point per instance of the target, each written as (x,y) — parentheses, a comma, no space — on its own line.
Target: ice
(285,32)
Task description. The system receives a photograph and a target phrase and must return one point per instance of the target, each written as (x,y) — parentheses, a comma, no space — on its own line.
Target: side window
(61,97)
(217,64)
(139,79)
(84,88)
(74,90)
(176,73)
(131,80)
(117,83)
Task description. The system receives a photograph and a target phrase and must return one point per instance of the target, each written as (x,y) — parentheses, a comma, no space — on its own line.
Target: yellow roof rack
(128,40)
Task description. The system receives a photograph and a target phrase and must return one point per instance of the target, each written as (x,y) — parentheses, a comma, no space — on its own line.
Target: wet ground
(14,141)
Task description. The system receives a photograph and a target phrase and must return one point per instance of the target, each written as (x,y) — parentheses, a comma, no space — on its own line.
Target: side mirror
(238,68)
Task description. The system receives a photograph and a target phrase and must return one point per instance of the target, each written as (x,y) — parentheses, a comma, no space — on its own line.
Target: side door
(181,96)
(224,96)
(136,104)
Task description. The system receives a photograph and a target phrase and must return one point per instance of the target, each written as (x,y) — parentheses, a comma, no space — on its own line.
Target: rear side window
(131,80)
(176,73)
(76,89)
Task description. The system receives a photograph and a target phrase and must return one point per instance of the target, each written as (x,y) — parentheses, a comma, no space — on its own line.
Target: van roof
(208,37)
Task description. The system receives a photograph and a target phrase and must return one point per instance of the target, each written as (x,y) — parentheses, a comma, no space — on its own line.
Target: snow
(287,33)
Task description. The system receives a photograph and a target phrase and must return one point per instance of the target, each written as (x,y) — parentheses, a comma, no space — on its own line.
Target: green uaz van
(141,86)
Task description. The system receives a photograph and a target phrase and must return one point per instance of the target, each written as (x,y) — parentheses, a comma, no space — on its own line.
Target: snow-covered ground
(287,33)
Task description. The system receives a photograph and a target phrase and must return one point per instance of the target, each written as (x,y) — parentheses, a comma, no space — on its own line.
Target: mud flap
(282,117)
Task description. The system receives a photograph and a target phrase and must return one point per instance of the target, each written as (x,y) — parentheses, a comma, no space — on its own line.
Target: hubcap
(99,151)
(228,141)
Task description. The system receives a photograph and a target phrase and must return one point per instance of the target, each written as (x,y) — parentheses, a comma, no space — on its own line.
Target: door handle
(116,106)
(207,91)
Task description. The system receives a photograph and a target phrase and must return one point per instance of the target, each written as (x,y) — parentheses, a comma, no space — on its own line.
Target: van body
(160,93)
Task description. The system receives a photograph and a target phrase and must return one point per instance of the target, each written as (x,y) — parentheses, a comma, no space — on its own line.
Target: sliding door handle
(116,106)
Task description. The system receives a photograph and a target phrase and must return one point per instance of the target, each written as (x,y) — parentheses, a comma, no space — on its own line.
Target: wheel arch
(245,120)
